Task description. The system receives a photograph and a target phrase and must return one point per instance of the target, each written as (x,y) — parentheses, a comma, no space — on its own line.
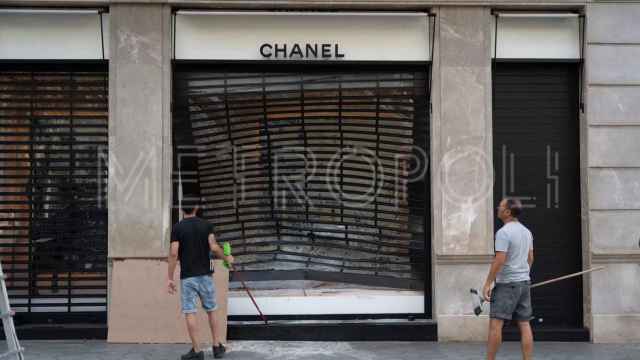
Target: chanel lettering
(301,51)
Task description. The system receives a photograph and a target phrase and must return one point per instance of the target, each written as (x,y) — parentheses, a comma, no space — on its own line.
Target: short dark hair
(189,204)
(514,206)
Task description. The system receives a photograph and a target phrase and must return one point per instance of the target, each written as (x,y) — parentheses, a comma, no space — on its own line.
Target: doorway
(536,159)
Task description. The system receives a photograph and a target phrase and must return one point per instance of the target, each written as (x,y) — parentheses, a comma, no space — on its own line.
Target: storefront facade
(253,107)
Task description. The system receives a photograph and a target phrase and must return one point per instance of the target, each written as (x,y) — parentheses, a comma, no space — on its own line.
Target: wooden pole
(567,276)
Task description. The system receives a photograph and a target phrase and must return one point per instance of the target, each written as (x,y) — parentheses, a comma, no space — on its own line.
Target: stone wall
(139,130)
(139,152)
(139,199)
(462,183)
(613,115)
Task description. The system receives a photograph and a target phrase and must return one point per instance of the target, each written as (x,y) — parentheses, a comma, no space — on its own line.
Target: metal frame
(192,11)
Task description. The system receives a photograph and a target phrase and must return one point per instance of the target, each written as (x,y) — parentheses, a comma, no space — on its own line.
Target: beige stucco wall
(141,310)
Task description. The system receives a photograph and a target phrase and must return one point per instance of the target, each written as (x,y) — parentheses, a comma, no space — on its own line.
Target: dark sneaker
(192,355)
(218,351)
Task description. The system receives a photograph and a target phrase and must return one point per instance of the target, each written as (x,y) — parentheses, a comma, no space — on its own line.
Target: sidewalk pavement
(272,350)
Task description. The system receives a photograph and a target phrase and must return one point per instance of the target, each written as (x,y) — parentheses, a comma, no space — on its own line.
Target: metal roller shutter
(272,123)
(53,214)
(536,157)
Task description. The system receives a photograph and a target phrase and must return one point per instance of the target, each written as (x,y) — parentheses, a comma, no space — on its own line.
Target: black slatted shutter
(53,182)
(536,157)
(254,133)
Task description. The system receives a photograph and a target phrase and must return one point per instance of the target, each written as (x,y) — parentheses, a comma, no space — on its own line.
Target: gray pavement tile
(274,350)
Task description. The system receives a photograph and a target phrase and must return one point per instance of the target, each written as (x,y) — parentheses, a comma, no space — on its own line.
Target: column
(139,170)
(462,167)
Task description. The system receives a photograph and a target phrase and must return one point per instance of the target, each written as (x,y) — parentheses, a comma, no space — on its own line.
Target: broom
(226,249)
(478,299)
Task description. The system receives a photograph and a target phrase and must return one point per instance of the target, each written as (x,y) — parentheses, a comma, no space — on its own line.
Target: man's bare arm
(496,265)
(173,258)
(217,250)
(530,258)
(214,247)
(171,269)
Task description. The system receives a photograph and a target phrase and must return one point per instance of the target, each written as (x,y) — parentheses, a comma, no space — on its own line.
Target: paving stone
(275,350)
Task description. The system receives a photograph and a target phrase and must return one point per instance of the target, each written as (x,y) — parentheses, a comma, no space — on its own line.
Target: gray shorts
(511,301)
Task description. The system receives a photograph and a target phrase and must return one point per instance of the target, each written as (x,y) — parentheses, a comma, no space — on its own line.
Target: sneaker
(218,351)
(192,355)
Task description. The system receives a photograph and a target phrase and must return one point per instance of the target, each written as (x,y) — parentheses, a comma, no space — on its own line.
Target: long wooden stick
(566,277)
(246,288)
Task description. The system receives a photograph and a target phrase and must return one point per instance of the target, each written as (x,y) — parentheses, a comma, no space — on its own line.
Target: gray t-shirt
(516,240)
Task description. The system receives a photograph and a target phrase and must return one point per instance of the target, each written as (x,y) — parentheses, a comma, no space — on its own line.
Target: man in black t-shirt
(192,242)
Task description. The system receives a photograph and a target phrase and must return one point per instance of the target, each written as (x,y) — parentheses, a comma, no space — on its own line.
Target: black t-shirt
(193,235)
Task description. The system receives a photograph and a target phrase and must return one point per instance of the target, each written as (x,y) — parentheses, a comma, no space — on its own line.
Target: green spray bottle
(226,250)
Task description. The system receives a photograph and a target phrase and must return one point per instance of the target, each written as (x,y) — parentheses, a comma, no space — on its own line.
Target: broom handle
(253,300)
(567,276)
(226,249)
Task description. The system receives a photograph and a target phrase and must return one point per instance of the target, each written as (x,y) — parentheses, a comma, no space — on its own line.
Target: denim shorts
(511,301)
(196,287)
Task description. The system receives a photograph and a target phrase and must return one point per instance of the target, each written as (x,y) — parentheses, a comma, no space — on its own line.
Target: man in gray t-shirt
(510,298)
(515,240)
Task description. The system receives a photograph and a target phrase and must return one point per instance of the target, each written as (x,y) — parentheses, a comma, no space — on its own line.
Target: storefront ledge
(464,259)
(631,256)
(511,333)
(61,332)
(318,302)
(618,328)
(374,330)
(452,328)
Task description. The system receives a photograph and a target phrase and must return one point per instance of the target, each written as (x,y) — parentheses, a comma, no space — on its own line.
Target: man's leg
(495,338)
(526,337)
(212,325)
(192,328)
(208,299)
(523,315)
